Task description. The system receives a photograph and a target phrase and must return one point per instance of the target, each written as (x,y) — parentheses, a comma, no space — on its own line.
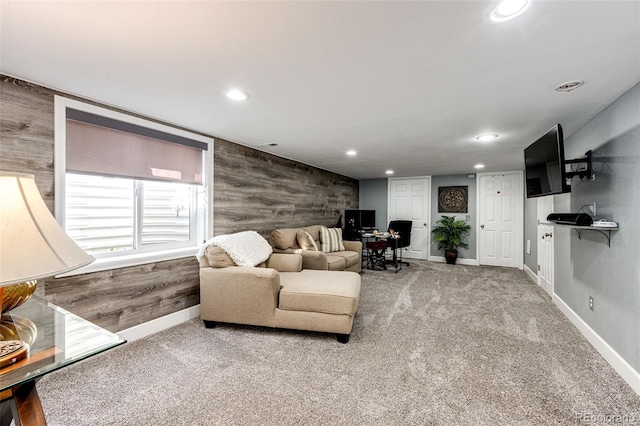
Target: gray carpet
(434,344)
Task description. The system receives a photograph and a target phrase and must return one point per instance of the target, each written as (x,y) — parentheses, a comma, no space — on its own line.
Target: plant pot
(451,256)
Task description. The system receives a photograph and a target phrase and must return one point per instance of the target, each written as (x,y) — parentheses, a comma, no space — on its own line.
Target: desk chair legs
(396,260)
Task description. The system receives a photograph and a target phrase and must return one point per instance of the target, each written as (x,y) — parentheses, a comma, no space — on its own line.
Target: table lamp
(32,246)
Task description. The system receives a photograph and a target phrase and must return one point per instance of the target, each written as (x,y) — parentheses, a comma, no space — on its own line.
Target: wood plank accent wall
(262,192)
(253,190)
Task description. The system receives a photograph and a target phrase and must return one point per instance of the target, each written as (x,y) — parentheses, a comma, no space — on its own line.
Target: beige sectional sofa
(296,240)
(278,293)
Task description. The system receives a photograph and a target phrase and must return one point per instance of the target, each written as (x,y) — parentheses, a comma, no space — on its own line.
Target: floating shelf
(604,230)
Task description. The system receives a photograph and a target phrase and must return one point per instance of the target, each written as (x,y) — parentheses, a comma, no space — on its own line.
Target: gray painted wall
(373,196)
(588,267)
(455,180)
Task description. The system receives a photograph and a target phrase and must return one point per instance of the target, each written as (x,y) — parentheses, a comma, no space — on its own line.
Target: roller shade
(104,146)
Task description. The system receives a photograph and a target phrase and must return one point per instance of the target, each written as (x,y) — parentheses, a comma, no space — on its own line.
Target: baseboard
(159,324)
(532,275)
(460,260)
(622,367)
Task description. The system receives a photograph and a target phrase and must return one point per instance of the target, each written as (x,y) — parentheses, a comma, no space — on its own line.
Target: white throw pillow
(331,239)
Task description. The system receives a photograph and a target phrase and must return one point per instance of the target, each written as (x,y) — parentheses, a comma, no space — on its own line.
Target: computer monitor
(367,219)
(360,219)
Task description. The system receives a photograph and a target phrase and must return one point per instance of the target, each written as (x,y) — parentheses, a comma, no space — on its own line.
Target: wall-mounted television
(545,166)
(360,219)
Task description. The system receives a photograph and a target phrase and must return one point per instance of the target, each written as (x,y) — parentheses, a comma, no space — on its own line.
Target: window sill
(109,263)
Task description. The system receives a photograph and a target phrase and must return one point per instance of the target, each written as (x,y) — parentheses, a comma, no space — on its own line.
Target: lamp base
(16,294)
(12,351)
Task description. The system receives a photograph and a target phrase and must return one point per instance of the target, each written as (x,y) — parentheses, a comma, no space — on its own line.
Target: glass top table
(57,338)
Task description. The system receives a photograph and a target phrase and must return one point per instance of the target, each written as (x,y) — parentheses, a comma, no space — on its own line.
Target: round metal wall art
(453,199)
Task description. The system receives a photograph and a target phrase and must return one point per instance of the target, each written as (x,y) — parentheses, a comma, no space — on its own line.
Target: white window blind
(108,147)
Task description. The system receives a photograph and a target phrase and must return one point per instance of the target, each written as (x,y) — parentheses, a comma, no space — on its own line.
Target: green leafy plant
(451,234)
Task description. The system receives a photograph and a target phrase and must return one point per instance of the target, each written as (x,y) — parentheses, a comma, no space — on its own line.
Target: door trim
(519,243)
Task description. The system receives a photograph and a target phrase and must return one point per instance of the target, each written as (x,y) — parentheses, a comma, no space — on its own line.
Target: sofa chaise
(277,293)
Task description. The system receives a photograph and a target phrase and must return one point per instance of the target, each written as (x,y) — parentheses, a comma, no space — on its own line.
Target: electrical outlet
(591,302)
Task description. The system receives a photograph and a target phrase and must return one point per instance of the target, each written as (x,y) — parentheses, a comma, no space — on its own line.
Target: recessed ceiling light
(479,166)
(486,138)
(352,153)
(237,95)
(509,9)
(389,172)
(569,86)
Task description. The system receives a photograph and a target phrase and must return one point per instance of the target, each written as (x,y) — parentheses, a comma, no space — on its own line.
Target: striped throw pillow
(331,239)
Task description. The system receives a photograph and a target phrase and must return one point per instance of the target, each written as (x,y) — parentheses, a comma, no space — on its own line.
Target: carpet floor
(433,344)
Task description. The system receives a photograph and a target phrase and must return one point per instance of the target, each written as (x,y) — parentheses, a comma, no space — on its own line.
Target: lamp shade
(32,244)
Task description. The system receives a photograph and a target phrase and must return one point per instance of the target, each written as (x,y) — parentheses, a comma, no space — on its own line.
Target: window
(130,191)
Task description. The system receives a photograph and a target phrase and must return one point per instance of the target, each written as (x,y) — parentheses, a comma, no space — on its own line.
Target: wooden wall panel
(261,192)
(26,129)
(253,190)
(121,298)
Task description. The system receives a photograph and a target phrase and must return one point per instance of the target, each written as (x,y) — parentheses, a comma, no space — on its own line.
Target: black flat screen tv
(544,165)
(360,219)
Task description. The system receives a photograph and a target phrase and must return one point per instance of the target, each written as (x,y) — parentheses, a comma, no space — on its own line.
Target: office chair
(403,229)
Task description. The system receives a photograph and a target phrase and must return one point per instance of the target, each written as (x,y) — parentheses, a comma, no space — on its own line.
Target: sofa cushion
(351,258)
(305,241)
(314,231)
(335,263)
(331,239)
(284,238)
(330,292)
(218,258)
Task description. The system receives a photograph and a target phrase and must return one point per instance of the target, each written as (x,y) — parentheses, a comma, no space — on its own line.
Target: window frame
(114,262)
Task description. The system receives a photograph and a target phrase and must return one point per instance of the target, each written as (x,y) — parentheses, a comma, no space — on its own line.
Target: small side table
(57,339)
(375,255)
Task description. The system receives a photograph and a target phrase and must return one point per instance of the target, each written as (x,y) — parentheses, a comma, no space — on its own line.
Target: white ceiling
(407,84)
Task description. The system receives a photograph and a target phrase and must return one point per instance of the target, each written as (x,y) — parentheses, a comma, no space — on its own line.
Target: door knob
(482,226)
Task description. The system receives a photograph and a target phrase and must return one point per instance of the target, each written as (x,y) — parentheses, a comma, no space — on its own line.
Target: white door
(409,199)
(545,245)
(500,219)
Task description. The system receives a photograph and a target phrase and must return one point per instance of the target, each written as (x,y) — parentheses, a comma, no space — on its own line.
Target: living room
(257,186)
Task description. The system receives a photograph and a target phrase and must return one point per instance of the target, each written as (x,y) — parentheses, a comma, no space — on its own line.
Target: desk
(57,338)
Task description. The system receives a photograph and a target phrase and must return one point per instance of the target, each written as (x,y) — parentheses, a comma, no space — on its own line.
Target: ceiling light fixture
(509,9)
(486,138)
(479,166)
(352,153)
(389,172)
(569,86)
(237,95)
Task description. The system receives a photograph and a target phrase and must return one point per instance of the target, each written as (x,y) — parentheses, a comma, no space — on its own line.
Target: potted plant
(451,234)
